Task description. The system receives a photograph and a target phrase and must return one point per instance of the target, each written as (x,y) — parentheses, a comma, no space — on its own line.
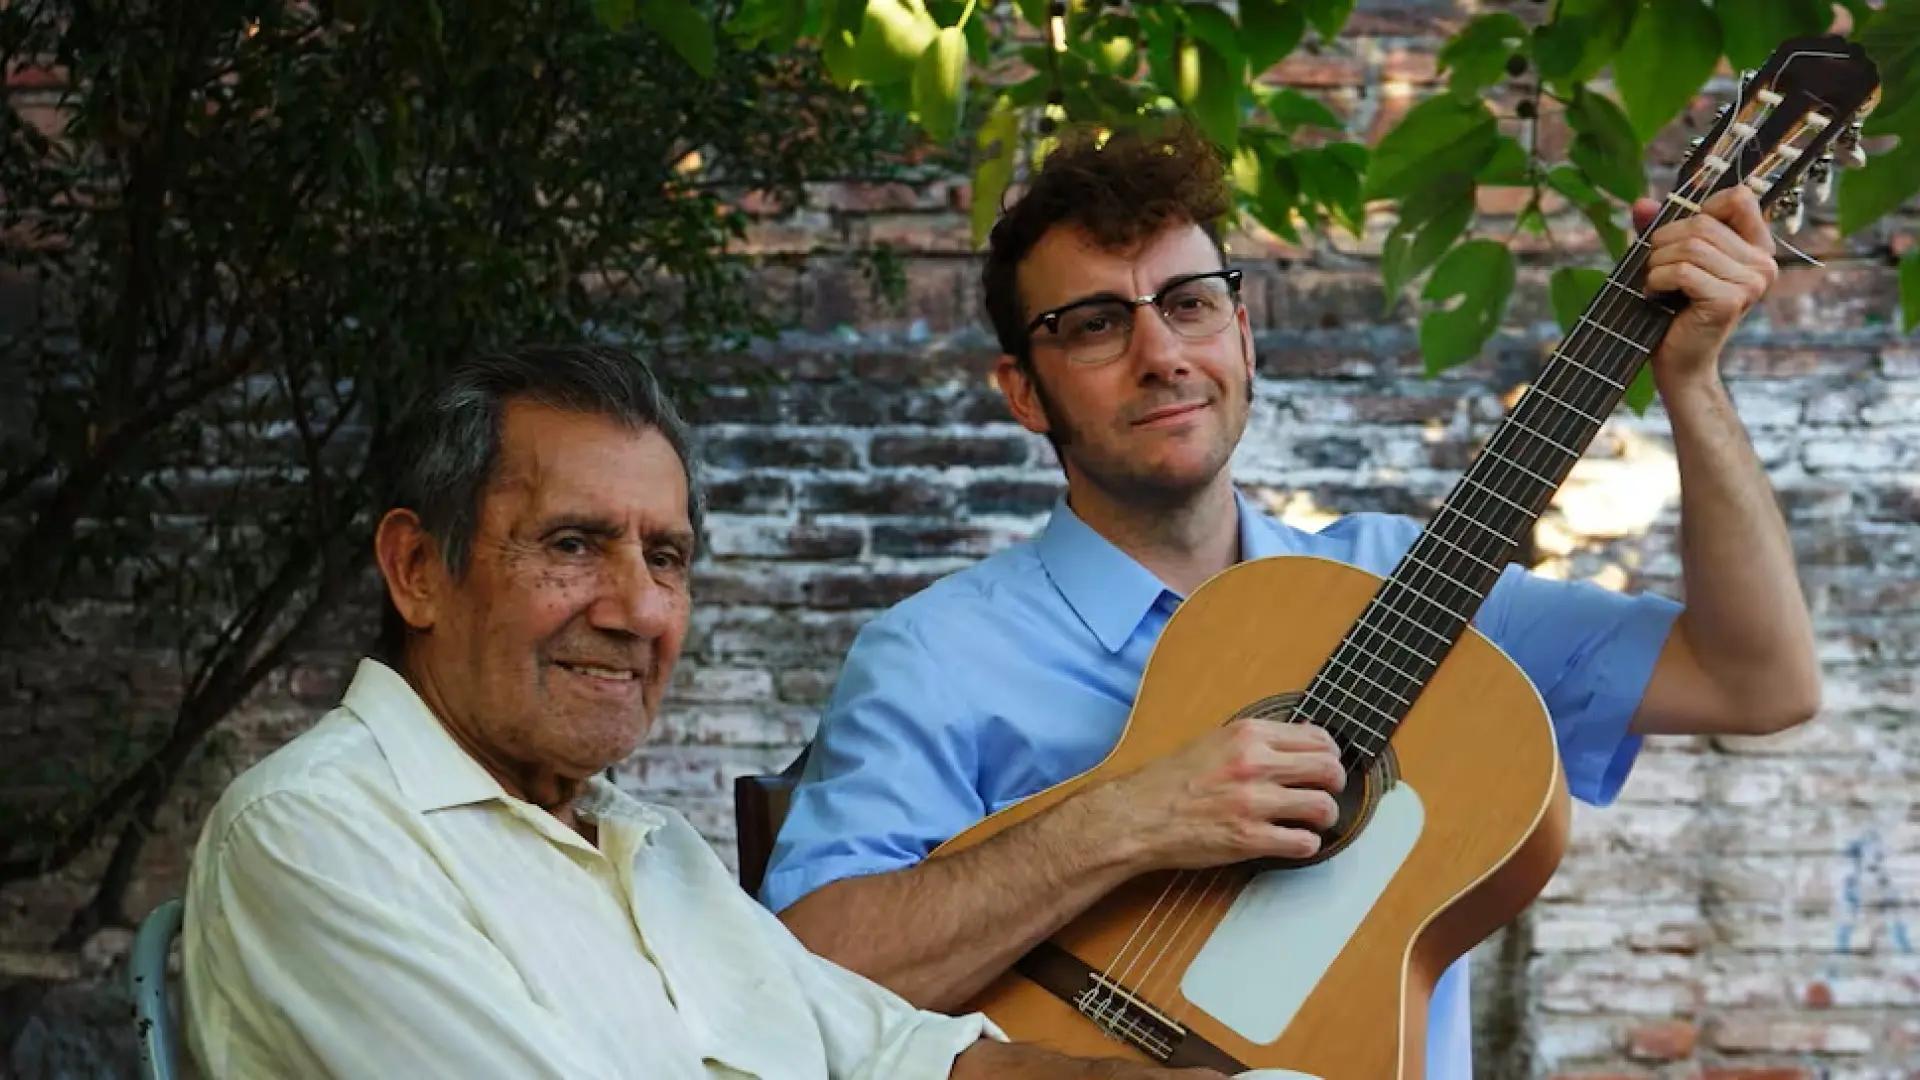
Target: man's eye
(668,559)
(571,545)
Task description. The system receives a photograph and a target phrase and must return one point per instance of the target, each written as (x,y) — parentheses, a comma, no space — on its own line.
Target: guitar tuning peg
(1847,143)
(1821,175)
(1746,80)
(1696,142)
(1790,211)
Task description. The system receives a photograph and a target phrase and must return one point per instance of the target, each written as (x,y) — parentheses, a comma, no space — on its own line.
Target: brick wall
(1748,909)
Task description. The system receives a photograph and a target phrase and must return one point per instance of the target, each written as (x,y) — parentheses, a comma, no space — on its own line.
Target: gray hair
(451,442)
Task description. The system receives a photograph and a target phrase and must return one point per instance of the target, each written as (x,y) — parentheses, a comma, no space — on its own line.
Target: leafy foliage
(254,232)
(1612,72)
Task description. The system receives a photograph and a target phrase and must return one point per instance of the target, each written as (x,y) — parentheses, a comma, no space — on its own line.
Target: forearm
(939,932)
(1745,619)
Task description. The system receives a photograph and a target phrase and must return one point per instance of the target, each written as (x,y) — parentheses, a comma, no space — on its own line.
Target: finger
(1296,737)
(1739,208)
(1686,235)
(1281,842)
(1297,806)
(1306,769)
(1699,286)
(1644,211)
(1701,251)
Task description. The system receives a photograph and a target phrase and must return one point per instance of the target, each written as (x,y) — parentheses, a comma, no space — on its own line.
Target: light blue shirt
(1020,671)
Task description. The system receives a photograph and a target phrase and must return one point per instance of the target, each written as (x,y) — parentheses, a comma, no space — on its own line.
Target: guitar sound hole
(1356,802)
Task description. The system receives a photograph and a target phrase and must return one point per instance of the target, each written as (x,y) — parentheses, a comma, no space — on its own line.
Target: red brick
(1667,1040)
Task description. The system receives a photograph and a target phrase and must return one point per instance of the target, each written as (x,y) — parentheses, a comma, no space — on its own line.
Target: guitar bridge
(1124,1016)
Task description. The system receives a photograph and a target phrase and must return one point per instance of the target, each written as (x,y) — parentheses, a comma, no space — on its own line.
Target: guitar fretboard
(1366,687)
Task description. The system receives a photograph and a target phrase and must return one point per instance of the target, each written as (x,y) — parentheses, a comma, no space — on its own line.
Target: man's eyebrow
(586,523)
(1108,294)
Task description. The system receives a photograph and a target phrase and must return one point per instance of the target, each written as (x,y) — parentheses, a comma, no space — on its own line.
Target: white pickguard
(1287,926)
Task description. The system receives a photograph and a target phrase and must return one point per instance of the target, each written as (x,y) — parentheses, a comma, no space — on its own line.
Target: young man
(436,881)
(1124,343)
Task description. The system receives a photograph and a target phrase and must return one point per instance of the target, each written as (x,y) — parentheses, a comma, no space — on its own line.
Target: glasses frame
(1051,319)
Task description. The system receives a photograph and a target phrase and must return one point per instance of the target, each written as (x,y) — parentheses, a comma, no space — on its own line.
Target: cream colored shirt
(368,901)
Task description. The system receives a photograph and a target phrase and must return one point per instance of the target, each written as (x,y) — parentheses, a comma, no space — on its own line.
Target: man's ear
(1246,343)
(1023,398)
(410,564)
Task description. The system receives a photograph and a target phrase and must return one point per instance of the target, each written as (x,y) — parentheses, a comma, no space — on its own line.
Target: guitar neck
(1365,688)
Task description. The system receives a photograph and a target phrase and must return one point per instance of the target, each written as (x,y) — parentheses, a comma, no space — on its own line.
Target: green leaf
(1478,54)
(1567,180)
(939,83)
(1431,219)
(1582,37)
(1212,87)
(1892,41)
(1752,29)
(1272,29)
(893,36)
(1270,186)
(1217,28)
(997,141)
(1472,284)
(1604,145)
(1640,390)
(1910,291)
(1291,109)
(841,21)
(1572,288)
(1444,134)
(685,28)
(1330,176)
(614,14)
(773,23)
(1667,58)
(1508,166)
(1327,16)
(1889,179)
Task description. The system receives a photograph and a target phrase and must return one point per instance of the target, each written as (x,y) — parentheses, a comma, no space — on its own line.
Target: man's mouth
(598,671)
(1169,412)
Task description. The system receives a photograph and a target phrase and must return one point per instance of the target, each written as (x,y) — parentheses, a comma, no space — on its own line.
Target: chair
(759,806)
(156,1021)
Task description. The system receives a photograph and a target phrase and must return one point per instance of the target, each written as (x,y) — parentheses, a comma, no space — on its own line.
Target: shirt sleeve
(891,775)
(869,1032)
(316,946)
(1589,652)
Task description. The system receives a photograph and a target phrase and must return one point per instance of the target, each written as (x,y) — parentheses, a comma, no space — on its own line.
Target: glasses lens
(1094,332)
(1198,308)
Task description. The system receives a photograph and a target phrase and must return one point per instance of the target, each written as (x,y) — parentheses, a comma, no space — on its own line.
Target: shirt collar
(1106,587)
(432,770)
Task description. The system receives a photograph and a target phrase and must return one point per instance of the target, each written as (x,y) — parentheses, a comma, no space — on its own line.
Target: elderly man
(435,880)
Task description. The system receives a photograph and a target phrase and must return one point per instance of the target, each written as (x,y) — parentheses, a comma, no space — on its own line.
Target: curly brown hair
(1121,188)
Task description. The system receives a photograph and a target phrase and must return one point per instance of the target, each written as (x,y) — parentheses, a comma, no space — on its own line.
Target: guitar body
(1481,838)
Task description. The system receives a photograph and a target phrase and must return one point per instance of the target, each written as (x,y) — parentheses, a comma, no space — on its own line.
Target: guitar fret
(1569,406)
(1411,557)
(1541,435)
(1403,616)
(1309,697)
(1477,523)
(1351,643)
(1492,453)
(1335,659)
(1617,336)
(1484,563)
(1468,479)
(1431,602)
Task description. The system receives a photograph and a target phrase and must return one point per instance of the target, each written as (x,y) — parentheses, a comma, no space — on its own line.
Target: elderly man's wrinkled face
(556,645)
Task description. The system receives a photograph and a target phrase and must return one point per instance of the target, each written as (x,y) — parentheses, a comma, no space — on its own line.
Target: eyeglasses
(1095,331)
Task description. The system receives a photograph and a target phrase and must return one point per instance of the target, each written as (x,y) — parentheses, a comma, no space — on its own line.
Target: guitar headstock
(1794,120)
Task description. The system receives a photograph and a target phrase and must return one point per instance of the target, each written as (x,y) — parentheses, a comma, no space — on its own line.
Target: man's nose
(1159,354)
(632,600)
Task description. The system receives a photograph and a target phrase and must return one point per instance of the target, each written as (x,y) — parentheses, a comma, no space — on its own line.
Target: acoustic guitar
(1455,810)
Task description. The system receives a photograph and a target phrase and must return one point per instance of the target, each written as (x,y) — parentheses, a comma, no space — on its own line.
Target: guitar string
(1564,363)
